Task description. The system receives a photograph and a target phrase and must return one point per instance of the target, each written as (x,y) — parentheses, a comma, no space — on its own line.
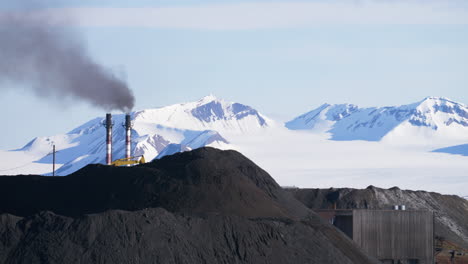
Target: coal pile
(450,211)
(203,206)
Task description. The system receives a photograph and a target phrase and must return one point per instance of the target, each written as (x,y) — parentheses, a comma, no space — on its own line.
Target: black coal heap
(202,206)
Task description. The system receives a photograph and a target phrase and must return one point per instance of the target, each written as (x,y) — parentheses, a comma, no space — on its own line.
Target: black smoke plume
(52,60)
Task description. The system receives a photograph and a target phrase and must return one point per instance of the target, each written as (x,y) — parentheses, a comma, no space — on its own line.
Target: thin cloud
(245,16)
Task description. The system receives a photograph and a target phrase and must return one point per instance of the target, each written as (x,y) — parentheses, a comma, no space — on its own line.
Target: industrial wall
(395,235)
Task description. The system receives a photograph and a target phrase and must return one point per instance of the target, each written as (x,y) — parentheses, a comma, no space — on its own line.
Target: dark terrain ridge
(202,206)
(450,211)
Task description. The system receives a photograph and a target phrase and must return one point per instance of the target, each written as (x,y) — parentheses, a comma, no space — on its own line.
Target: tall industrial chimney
(109,126)
(128,136)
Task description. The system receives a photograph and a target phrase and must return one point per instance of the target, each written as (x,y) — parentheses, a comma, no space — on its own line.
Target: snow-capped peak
(439,112)
(436,104)
(209,98)
(322,117)
(437,98)
(209,112)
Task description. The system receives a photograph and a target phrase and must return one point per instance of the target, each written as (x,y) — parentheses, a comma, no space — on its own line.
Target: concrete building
(392,236)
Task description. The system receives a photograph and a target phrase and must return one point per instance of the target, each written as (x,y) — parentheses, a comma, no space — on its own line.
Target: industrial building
(392,236)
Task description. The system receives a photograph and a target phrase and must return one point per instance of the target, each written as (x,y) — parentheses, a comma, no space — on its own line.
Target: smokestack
(128,135)
(108,126)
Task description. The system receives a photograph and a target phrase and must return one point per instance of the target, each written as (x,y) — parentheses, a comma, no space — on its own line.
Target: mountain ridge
(433,117)
(434,123)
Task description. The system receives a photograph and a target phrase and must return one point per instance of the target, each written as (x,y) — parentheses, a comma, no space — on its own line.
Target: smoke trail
(54,63)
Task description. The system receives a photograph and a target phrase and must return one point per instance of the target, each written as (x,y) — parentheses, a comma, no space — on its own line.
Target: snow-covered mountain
(156,133)
(208,113)
(292,157)
(433,119)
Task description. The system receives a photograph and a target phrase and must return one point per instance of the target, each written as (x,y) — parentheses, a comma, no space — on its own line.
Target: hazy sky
(282,57)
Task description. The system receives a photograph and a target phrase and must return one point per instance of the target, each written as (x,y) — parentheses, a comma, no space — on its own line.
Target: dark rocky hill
(203,206)
(450,211)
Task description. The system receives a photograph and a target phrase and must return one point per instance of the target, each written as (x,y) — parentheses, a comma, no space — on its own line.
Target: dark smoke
(54,63)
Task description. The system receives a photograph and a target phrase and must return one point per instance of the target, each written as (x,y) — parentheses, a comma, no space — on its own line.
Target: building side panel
(394,234)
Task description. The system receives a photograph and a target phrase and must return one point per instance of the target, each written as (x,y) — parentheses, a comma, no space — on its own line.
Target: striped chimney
(128,135)
(108,126)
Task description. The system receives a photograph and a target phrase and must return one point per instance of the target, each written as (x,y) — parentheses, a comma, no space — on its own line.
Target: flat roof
(350,211)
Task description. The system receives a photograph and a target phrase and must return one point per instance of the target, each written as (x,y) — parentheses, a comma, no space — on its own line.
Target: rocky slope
(202,206)
(451,212)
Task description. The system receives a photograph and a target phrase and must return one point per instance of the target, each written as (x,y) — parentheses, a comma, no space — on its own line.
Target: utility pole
(53,161)
(53,158)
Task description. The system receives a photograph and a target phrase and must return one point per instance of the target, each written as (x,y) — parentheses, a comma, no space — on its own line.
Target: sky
(281,57)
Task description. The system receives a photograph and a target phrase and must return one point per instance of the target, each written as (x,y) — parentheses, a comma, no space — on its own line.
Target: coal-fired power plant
(128,160)
(128,135)
(108,124)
